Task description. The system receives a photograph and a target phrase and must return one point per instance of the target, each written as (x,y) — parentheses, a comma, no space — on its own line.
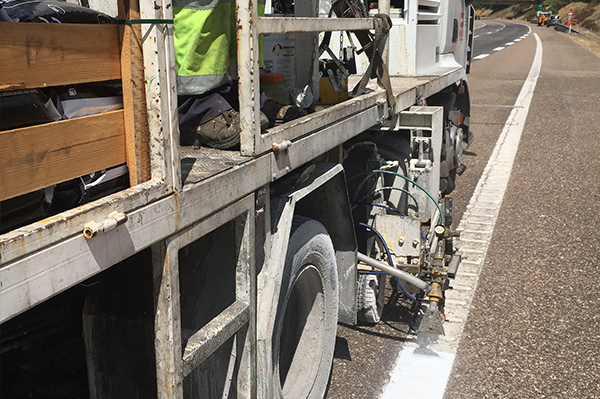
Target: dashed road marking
(498,48)
(481,56)
(436,354)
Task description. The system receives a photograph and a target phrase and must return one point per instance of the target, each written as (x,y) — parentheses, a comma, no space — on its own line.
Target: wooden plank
(35,157)
(137,134)
(34,55)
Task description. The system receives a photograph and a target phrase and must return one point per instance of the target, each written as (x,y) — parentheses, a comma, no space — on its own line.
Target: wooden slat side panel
(137,133)
(34,55)
(35,157)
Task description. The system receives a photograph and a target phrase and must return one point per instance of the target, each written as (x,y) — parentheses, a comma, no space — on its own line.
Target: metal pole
(406,277)
(384,8)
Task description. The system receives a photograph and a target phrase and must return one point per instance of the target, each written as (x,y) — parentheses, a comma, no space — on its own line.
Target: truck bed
(45,258)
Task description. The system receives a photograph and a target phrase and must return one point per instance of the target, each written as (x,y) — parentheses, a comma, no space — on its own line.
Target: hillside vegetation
(587,15)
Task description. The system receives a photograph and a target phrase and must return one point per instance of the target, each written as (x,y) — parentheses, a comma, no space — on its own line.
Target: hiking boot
(221,132)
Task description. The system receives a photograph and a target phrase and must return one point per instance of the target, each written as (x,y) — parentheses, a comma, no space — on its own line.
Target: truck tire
(306,321)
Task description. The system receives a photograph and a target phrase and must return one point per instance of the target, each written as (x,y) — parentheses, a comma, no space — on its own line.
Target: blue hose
(379,206)
(424,239)
(389,257)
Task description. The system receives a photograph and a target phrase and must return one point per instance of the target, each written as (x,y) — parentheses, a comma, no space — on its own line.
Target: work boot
(221,132)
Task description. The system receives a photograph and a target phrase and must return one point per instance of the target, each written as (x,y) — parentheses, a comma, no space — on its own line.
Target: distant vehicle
(553,20)
(543,13)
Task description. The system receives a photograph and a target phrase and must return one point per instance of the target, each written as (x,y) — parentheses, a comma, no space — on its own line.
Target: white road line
(489,33)
(436,355)
(498,48)
(481,56)
(518,40)
(509,43)
(475,37)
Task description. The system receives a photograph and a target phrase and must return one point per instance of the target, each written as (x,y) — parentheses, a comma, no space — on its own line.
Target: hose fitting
(435,295)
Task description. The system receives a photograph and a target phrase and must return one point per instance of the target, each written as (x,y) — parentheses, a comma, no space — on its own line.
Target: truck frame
(223,273)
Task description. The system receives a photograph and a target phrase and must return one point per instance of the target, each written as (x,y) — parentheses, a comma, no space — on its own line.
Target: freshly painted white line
(475,37)
(435,355)
(407,377)
(481,56)
(498,48)
(509,43)
(518,40)
(489,33)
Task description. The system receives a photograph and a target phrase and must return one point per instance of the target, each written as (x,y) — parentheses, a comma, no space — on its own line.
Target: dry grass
(588,40)
(576,7)
(591,14)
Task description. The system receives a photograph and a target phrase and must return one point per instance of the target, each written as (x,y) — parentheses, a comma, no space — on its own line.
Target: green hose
(397,189)
(408,180)
(404,191)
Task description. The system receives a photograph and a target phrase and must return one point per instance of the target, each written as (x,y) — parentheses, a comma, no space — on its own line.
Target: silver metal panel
(210,337)
(36,236)
(310,147)
(307,24)
(171,366)
(401,234)
(161,95)
(33,279)
(202,163)
(167,320)
(427,125)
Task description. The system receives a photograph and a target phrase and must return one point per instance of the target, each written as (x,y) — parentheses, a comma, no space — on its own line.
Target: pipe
(406,277)
(92,228)
(389,258)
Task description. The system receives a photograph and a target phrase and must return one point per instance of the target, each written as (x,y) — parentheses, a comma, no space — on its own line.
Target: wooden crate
(37,55)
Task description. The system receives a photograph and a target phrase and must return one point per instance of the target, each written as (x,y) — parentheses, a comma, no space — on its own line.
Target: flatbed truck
(224,273)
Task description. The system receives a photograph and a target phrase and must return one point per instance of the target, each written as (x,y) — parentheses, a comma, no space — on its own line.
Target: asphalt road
(533,330)
(490,35)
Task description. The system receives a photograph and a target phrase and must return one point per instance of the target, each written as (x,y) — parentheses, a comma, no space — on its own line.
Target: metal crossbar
(210,337)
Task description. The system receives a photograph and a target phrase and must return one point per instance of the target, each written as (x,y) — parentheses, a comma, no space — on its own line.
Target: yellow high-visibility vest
(205,43)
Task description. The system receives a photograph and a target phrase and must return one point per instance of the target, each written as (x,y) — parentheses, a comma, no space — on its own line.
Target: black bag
(53,11)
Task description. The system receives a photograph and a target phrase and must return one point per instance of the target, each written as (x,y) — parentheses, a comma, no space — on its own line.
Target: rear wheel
(306,322)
